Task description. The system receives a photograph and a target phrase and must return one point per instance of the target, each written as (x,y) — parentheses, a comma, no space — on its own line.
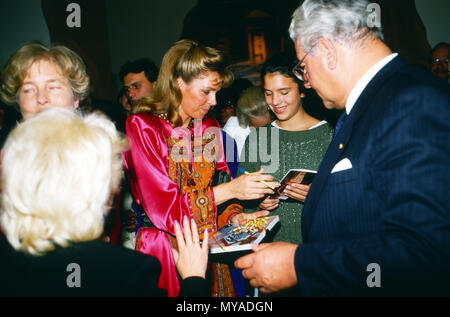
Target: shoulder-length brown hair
(185,59)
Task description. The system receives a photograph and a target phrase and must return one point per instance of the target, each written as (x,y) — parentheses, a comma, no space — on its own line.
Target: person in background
(440,60)
(252,111)
(175,163)
(36,77)
(227,100)
(376,221)
(138,78)
(60,171)
(124,100)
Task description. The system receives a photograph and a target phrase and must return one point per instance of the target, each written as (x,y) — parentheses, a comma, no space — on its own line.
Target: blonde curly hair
(59,171)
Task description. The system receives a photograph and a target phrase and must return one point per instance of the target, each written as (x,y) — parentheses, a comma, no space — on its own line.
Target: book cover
(233,237)
(299,176)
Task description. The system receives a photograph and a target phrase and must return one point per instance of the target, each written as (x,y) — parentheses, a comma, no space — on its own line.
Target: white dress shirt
(364,81)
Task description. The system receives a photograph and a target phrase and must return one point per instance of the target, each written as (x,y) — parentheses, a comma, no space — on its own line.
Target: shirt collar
(364,81)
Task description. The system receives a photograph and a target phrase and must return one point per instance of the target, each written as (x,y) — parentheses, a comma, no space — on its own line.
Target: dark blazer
(105,270)
(392,208)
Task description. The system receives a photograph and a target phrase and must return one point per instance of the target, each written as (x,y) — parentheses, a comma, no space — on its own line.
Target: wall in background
(21,21)
(434,14)
(142,28)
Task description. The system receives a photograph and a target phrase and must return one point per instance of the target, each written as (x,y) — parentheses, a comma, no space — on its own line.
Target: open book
(299,176)
(233,237)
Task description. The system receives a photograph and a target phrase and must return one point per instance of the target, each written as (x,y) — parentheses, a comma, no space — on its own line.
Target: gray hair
(338,21)
(251,104)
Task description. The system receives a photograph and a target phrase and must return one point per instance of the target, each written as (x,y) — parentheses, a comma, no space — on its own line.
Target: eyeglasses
(299,70)
(440,60)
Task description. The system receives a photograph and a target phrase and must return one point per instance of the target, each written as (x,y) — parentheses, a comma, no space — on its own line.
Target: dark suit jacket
(392,208)
(105,270)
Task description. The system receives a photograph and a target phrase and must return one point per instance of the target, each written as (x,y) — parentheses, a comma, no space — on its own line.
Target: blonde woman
(59,172)
(175,163)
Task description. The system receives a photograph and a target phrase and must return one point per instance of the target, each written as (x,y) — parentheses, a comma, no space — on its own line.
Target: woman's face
(282,95)
(198,96)
(43,87)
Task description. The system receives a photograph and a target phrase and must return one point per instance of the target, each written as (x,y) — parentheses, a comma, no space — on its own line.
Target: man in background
(439,60)
(138,78)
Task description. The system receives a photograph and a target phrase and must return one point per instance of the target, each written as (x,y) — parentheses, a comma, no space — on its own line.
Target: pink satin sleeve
(146,163)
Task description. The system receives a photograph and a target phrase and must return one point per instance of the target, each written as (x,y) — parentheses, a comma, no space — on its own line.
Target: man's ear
(328,50)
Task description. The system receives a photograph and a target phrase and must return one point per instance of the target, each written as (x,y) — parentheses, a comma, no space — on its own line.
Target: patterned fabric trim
(231,210)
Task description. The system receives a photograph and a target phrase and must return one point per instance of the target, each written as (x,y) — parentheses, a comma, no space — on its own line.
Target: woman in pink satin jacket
(176,157)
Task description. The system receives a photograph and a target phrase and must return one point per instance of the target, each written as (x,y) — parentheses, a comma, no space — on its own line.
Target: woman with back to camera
(59,173)
(176,164)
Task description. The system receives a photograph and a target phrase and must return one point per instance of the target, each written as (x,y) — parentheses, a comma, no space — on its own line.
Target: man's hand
(271,267)
(243,217)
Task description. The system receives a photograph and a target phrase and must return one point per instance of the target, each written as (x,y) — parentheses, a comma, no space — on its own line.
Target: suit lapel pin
(341,146)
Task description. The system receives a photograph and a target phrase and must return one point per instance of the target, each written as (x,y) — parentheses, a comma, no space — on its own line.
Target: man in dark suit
(377,217)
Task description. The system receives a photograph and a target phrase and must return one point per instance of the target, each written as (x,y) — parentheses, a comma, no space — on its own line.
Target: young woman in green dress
(295,140)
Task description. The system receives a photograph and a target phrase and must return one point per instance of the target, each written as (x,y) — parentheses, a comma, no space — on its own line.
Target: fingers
(256,214)
(187,232)
(259,188)
(261,213)
(298,188)
(179,236)
(205,241)
(191,236)
(242,218)
(254,186)
(269,204)
(195,237)
(257,176)
(296,191)
(265,290)
(261,246)
(268,207)
(244,262)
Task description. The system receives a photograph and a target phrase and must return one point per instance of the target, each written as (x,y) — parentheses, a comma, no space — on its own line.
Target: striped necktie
(340,122)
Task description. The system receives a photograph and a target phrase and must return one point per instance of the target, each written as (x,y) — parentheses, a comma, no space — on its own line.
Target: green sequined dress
(278,151)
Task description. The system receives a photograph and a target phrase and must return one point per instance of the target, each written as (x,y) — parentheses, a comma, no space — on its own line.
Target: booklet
(234,237)
(299,176)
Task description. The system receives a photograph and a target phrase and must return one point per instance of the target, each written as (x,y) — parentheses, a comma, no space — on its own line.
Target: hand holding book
(239,237)
(295,184)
